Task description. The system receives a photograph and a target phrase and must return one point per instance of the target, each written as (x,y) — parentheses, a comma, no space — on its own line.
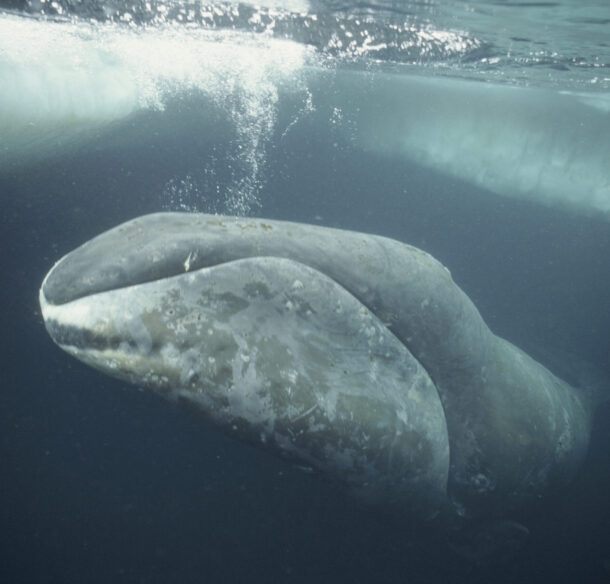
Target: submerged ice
(69,79)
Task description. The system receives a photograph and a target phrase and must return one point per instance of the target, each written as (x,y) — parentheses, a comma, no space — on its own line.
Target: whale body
(351,353)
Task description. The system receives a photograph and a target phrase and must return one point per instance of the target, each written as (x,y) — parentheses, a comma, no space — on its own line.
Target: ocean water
(478,131)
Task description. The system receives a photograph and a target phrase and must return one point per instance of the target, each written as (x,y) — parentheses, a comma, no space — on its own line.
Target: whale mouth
(162,246)
(78,314)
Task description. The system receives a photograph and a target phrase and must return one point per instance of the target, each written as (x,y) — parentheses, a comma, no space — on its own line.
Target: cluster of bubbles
(182,194)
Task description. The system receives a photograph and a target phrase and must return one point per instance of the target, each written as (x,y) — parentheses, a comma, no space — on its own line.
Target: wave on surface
(552,44)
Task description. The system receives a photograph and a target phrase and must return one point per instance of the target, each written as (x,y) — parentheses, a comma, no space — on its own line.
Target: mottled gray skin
(352,353)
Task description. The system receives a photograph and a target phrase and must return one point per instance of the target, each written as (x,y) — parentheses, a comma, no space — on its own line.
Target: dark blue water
(102,483)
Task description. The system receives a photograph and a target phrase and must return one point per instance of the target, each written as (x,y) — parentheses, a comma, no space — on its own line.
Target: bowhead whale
(351,353)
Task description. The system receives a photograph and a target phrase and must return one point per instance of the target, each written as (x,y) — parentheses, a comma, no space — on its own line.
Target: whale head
(257,326)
